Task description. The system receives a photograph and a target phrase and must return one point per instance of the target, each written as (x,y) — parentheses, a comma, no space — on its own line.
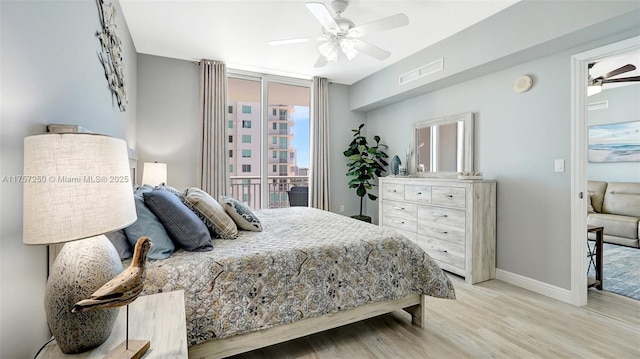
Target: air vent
(422,71)
(597,105)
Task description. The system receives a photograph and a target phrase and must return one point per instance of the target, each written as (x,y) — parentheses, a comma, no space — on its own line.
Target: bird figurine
(123,288)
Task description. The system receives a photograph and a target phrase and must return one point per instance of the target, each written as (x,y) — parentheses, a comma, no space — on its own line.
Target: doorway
(579,141)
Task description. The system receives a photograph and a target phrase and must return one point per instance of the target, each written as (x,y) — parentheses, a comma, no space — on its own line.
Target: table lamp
(154,173)
(78,187)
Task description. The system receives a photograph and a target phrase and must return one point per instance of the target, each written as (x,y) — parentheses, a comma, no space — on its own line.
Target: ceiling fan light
(329,50)
(594,89)
(349,48)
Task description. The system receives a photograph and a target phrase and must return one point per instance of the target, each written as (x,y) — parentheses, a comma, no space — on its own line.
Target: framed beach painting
(615,142)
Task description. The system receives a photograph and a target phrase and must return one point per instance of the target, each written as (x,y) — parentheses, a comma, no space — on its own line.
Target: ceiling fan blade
(386,23)
(370,50)
(321,62)
(616,72)
(320,11)
(294,41)
(623,79)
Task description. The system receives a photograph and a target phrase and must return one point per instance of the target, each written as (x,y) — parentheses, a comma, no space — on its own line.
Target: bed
(307,271)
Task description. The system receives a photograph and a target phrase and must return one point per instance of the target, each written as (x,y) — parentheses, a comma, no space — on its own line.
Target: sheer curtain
(212,173)
(320,152)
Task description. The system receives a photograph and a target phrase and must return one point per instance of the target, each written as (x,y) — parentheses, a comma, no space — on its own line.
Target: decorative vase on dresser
(453,220)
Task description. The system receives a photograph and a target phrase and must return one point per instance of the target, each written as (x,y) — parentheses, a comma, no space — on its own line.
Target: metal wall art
(111,54)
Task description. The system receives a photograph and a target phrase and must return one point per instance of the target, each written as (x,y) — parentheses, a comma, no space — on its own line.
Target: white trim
(551,291)
(579,75)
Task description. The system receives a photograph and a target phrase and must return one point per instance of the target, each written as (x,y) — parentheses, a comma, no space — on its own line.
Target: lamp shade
(78,186)
(154,173)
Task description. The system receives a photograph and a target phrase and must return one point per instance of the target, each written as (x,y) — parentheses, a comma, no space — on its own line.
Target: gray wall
(50,74)
(168,120)
(624,106)
(341,121)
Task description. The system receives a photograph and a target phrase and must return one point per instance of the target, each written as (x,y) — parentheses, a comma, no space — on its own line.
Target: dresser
(454,221)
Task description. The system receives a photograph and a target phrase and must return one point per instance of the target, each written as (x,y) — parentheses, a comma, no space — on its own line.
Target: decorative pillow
(590,205)
(184,227)
(119,240)
(241,214)
(148,225)
(173,190)
(211,213)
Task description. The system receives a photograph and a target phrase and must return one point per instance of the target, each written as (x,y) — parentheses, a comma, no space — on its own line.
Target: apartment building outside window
(246,168)
(246,109)
(246,124)
(246,138)
(230,138)
(246,153)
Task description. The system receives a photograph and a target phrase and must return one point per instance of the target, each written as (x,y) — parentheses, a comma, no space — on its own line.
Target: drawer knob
(444,251)
(419,193)
(439,214)
(393,191)
(450,195)
(401,222)
(399,208)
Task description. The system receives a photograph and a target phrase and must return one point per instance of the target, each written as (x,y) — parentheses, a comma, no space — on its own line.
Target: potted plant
(365,163)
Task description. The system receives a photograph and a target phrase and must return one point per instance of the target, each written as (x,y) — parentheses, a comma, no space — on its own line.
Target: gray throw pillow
(184,226)
(119,240)
(241,214)
(148,225)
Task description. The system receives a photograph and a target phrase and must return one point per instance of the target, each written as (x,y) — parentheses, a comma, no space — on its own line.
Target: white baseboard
(561,294)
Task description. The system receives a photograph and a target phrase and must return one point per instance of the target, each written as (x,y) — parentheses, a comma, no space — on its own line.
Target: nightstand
(159,318)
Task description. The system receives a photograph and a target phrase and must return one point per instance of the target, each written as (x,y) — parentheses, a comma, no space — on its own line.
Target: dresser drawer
(400,209)
(447,252)
(393,191)
(440,216)
(450,196)
(417,193)
(413,236)
(402,223)
(450,234)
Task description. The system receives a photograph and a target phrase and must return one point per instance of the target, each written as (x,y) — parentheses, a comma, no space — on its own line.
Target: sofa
(616,207)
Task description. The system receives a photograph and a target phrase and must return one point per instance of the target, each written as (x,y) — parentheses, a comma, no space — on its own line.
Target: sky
(301,134)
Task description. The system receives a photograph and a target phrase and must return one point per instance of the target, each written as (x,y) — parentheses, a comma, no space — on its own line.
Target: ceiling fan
(340,33)
(595,84)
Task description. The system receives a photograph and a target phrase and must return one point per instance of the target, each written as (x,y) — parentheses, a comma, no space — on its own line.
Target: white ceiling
(237,32)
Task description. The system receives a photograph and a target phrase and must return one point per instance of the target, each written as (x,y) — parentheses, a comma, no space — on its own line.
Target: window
(259,104)
(230,168)
(230,123)
(230,153)
(230,139)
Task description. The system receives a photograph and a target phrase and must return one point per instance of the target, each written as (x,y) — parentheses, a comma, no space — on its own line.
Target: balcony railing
(248,188)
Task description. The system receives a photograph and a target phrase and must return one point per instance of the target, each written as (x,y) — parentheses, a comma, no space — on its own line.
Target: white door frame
(579,76)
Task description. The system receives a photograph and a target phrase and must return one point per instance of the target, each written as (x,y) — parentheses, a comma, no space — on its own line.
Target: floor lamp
(79,188)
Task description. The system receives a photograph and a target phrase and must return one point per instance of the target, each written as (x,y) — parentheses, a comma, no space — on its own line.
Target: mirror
(443,146)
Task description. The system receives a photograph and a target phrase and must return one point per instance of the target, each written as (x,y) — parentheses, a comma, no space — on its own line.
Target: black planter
(362,218)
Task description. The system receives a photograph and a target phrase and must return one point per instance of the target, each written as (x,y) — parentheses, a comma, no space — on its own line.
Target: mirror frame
(467,144)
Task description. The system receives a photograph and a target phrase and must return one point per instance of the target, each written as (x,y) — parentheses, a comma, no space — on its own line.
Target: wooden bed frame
(220,348)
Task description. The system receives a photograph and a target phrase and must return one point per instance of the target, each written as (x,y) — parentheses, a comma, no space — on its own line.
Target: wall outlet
(342,208)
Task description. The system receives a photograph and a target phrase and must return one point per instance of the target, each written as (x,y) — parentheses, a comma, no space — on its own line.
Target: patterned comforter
(306,263)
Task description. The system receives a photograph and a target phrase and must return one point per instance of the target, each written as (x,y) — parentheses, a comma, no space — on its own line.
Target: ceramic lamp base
(80,269)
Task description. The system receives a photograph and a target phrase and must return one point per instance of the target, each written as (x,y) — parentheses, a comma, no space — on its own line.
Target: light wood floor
(488,320)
